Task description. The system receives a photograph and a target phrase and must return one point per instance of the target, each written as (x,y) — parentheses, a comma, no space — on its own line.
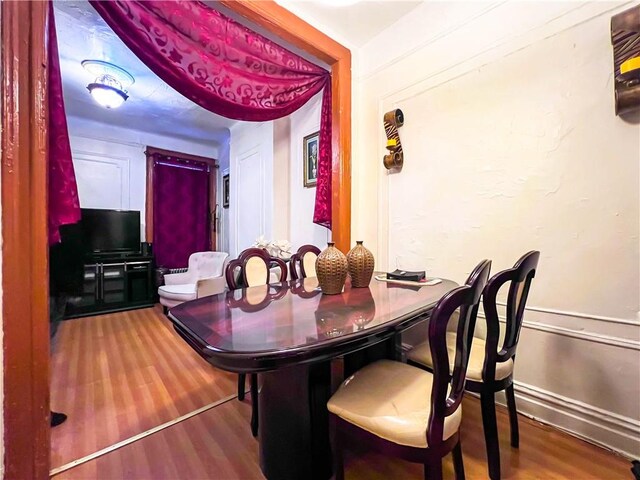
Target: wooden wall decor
(395,158)
(625,37)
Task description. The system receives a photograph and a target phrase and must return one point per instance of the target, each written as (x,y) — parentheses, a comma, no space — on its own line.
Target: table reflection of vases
(339,315)
(332,319)
(365,312)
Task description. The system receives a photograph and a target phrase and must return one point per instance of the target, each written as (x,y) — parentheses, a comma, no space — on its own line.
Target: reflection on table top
(296,315)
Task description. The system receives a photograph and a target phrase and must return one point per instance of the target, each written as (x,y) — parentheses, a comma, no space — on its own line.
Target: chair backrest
(520,277)
(207,264)
(303,262)
(448,386)
(252,268)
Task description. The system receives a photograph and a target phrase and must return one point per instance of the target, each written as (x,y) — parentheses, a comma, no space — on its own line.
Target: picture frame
(225,191)
(310,149)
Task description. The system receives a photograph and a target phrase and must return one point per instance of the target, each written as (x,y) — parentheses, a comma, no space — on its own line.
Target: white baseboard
(595,425)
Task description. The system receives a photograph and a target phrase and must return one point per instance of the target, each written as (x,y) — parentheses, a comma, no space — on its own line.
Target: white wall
(282,201)
(251,184)
(267,193)
(511,144)
(224,151)
(302,230)
(110,163)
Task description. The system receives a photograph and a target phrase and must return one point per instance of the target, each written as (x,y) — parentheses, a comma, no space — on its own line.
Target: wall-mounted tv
(111,231)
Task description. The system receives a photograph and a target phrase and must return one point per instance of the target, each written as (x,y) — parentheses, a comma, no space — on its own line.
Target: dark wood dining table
(303,343)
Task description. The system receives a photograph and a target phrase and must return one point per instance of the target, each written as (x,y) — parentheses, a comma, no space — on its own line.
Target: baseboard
(595,425)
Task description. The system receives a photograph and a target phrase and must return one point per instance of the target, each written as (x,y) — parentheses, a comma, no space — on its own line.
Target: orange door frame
(25,309)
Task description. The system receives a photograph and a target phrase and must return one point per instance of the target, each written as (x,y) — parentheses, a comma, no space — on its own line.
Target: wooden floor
(120,374)
(217,444)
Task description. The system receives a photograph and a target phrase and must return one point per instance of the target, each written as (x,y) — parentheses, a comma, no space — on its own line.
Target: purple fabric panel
(64,205)
(180,211)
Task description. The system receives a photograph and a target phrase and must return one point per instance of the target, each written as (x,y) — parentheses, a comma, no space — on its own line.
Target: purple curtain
(180,210)
(64,206)
(226,68)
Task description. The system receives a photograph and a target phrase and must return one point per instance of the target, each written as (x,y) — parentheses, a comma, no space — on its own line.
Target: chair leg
(489,422)
(336,449)
(241,378)
(458,464)
(513,417)
(433,471)
(254,404)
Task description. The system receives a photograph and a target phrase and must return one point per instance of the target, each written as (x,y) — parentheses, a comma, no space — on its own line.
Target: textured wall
(511,143)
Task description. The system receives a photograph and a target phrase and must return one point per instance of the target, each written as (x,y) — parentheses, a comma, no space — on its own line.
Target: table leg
(294,424)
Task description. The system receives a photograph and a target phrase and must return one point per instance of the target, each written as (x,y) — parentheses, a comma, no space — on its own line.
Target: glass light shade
(107,96)
(107,91)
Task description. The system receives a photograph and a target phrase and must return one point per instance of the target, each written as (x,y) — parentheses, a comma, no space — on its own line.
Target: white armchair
(205,276)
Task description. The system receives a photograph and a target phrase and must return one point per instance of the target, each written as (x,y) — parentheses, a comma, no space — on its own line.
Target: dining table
(302,343)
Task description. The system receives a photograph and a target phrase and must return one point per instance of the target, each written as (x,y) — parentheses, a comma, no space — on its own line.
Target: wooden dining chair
(491,369)
(252,269)
(303,262)
(406,411)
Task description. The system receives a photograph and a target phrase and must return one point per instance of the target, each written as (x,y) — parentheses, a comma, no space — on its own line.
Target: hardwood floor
(120,374)
(144,375)
(218,444)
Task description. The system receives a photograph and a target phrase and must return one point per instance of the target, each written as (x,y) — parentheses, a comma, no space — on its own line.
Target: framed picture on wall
(225,191)
(310,159)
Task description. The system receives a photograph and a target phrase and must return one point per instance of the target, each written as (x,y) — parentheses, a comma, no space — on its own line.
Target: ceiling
(356,23)
(153,106)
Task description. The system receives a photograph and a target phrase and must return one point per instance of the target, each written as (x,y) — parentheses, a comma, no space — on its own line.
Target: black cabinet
(113,283)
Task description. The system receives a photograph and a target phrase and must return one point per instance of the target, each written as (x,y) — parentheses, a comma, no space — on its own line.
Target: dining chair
(491,370)
(252,269)
(303,262)
(406,411)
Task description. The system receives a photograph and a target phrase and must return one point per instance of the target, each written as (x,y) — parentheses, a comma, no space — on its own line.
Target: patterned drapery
(64,205)
(180,210)
(226,68)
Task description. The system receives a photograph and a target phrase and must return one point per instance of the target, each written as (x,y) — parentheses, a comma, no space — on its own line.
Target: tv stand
(115,282)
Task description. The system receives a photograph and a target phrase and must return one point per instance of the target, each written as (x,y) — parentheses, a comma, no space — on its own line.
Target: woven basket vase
(331,270)
(360,265)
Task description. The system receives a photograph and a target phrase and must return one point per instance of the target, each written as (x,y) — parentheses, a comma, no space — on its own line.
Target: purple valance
(226,68)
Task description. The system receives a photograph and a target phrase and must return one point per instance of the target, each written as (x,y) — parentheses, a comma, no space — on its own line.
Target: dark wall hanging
(395,158)
(625,37)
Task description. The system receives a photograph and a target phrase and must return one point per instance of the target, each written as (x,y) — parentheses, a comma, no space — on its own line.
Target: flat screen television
(111,231)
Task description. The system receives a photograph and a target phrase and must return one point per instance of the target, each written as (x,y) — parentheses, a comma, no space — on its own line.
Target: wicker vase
(360,264)
(331,270)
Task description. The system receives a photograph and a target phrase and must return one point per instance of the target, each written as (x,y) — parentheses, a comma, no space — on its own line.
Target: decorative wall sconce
(395,158)
(625,37)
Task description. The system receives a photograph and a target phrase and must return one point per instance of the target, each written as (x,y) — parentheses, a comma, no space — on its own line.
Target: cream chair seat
(391,400)
(422,354)
(178,293)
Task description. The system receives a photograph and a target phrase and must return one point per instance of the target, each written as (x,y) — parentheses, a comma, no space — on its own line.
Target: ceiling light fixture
(109,87)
